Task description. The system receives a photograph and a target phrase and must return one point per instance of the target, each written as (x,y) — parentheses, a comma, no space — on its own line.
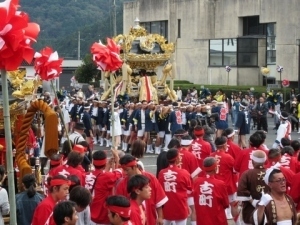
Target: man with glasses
(275,207)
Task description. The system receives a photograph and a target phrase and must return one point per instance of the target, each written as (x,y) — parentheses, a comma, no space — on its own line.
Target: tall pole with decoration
(16,37)
(107,58)
(228,69)
(279,70)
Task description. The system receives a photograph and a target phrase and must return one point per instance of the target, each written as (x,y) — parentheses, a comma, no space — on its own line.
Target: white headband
(186,142)
(269,171)
(230,135)
(258,160)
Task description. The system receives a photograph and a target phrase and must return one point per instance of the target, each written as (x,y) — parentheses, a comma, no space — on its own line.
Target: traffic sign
(285,83)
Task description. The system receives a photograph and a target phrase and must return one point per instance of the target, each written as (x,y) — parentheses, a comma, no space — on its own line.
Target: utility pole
(114,18)
(78,50)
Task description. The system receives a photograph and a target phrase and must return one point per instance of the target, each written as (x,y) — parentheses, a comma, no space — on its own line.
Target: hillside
(60,21)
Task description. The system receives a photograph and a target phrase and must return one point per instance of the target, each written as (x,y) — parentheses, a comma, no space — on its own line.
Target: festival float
(142,53)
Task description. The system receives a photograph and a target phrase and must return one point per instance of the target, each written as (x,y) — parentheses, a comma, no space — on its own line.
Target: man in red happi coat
(158,197)
(200,148)
(210,196)
(177,184)
(225,172)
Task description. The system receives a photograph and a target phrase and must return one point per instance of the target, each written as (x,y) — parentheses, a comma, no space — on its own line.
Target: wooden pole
(9,153)
(112,112)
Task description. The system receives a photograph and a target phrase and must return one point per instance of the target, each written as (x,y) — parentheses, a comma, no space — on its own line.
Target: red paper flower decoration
(47,64)
(107,57)
(16,36)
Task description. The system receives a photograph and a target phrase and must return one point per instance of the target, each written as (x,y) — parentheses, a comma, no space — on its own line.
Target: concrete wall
(202,20)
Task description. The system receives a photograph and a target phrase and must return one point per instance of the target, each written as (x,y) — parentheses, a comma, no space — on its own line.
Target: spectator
(179,94)
(28,200)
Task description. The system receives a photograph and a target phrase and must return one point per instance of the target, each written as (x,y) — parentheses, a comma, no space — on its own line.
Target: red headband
(174,158)
(99,162)
(199,132)
(59,182)
(56,162)
(79,149)
(276,159)
(122,211)
(210,168)
(130,164)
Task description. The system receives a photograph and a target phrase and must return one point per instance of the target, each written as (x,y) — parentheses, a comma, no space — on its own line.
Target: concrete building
(211,34)
(68,66)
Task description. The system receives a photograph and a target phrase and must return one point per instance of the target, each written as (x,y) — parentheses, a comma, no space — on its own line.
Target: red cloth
(294,192)
(43,212)
(67,170)
(47,64)
(243,161)
(31,143)
(211,200)
(103,188)
(225,170)
(200,149)
(17,36)
(177,184)
(136,213)
(107,57)
(233,149)
(289,162)
(158,196)
(90,179)
(189,162)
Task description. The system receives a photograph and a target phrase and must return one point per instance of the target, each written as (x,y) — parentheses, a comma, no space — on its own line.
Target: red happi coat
(189,162)
(200,149)
(158,196)
(177,184)
(211,200)
(225,170)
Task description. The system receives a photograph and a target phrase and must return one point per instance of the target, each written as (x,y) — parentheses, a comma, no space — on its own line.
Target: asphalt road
(149,160)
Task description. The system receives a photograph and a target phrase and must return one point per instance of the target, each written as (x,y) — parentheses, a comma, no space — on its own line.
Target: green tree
(87,71)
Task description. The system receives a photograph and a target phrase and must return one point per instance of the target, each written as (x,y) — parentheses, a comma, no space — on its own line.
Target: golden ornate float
(142,54)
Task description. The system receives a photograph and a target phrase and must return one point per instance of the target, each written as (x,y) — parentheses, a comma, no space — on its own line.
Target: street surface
(149,160)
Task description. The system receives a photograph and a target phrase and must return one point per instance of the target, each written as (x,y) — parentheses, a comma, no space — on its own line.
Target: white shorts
(190,201)
(232,198)
(161,134)
(175,222)
(127,132)
(141,132)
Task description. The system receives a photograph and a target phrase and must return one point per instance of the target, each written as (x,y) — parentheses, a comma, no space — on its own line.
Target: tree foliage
(87,71)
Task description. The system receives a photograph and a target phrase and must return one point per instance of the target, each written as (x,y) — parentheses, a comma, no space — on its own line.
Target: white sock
(149,148)
(125,146)
(168,138)
(193,223)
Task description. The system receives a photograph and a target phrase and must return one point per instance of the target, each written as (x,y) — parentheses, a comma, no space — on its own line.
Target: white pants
(175,222)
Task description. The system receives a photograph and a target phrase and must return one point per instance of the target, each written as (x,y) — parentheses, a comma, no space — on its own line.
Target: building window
(247,52)
(157,27)
(179,29)
(251,26)
(271,43)
(233,52)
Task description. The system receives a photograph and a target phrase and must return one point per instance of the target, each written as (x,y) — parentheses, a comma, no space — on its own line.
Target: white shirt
(142,116)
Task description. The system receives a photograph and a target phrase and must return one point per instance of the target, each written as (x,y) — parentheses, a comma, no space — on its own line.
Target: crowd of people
(203,176)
